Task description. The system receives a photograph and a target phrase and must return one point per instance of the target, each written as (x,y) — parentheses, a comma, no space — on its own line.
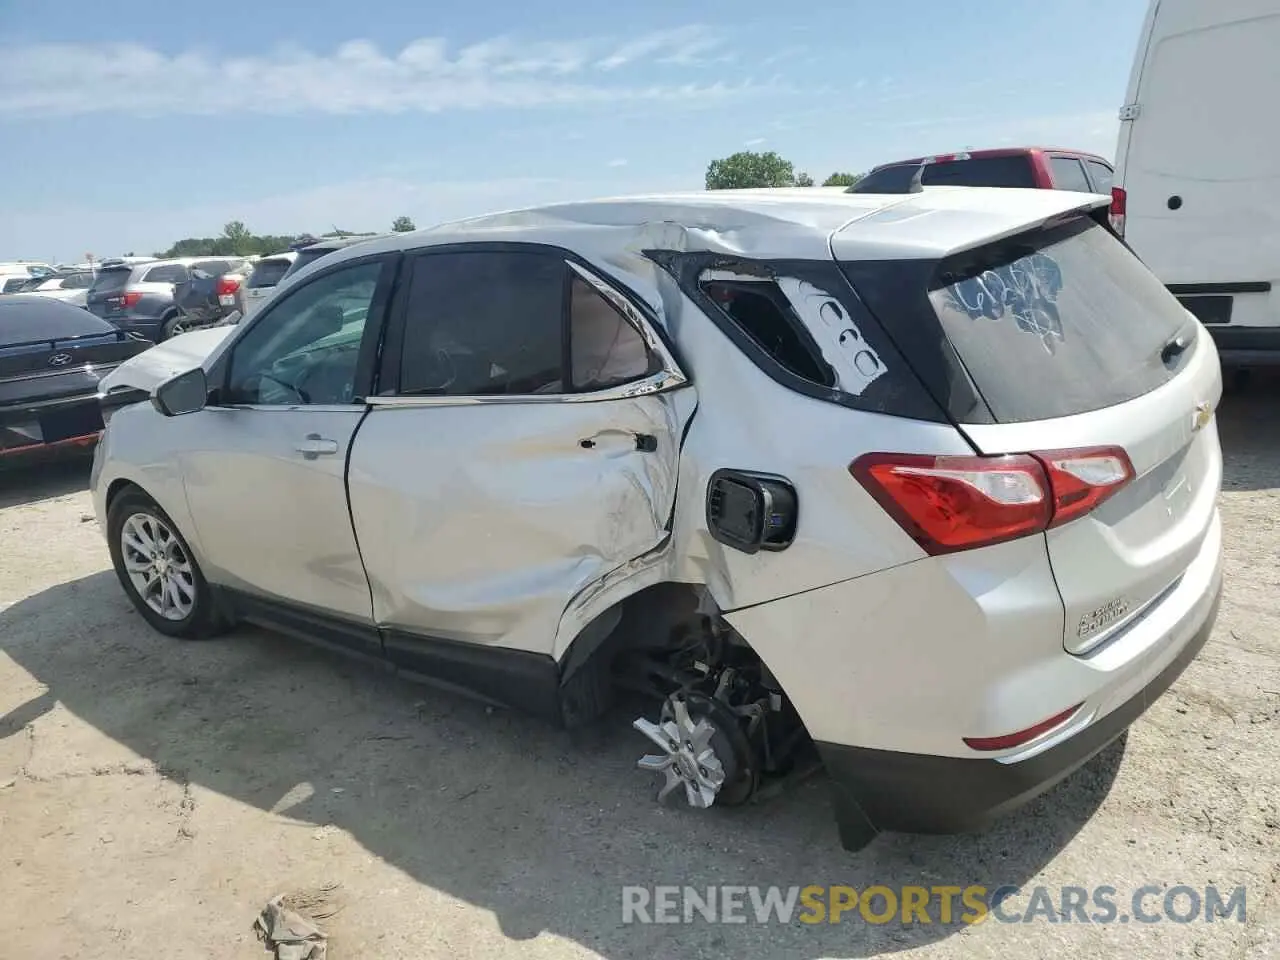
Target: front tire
(158,571)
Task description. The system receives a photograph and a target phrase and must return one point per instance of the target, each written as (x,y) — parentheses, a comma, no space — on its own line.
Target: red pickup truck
(1035,167)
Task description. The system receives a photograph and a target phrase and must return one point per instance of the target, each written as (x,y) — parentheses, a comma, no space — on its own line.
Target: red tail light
(1022,736)
(1119,203)
(958,503)
(1083,479)
(227,286)
(130,300)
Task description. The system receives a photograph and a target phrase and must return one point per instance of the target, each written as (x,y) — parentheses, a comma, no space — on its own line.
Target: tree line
(748,169)
(237,240)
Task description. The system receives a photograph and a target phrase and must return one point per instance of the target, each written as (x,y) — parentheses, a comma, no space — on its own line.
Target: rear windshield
(1063,324)
(1054,322)
(267,273)
(1009,171)
(39,318)
(108,281)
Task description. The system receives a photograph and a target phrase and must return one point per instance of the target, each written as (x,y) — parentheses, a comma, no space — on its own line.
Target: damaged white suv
(925,484)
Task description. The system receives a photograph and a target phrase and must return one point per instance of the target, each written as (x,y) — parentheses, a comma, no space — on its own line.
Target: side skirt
(516,679)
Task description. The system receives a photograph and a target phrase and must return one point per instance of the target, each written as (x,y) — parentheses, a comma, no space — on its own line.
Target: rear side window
(605,350)
(1057,323)
(167,273)
(109,281)
(1102,175)
(213,268)
(758,306)
(267,273)
(488,323)
(1068,174)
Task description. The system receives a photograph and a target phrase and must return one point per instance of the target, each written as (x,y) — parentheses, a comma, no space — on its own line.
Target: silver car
(921,485)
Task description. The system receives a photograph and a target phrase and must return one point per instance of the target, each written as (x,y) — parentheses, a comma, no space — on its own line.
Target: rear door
(1199,158)
(106,294)
(524,455)
(1068,343)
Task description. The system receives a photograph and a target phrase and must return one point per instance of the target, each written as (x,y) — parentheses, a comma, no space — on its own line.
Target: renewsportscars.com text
(1152,903)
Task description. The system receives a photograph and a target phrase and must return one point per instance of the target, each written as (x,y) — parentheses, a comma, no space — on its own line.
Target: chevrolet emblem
(1201,417)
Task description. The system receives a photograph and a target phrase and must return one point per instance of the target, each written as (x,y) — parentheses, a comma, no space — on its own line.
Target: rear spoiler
(941,221)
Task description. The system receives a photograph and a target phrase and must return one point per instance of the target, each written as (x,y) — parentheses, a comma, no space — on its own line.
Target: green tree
(747,169)
(804,180)
(842,180)
(238,239)
(402,225)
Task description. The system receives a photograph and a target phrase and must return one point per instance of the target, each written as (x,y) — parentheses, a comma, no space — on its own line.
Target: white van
(1197,189)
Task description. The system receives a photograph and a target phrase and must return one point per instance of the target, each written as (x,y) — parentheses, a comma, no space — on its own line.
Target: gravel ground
(153,794)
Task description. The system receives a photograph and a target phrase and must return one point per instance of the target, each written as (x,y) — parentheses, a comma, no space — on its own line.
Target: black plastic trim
(899,393)
(519,679)
(1197,289)
(1246,346)
(315,626)
(884,790)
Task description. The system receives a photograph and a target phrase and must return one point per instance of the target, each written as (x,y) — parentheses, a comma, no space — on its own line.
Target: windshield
(267,273)
(1013,170)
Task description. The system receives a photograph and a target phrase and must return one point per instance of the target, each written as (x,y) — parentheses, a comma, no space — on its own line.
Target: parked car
(72,288)
(1028,167)
(929,481)
(311,252)
(15,272)
(52,357)
(141,297)
(1196,183)
(267,272)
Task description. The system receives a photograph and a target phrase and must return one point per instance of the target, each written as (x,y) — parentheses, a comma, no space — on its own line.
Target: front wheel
(158,571)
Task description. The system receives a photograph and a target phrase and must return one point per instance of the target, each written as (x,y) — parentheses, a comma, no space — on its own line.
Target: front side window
(305,350)
(490,323)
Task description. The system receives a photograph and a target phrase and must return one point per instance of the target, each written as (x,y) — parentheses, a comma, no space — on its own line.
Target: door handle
(315,445)
(645,442)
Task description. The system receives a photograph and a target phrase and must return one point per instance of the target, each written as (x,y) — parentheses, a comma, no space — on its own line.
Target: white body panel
(1205,80)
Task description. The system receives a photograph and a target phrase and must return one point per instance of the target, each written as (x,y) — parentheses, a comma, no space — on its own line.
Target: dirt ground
(154,794)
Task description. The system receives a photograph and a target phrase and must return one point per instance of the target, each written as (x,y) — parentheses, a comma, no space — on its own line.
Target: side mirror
(185,393)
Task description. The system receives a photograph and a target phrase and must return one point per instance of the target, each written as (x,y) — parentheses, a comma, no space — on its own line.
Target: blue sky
(129,124)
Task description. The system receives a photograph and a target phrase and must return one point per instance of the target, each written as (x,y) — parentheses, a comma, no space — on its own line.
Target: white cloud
(617,163)
(755,142)
(425,75)
(683,45)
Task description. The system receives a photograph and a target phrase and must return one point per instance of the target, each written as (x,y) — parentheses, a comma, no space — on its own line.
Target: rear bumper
(35,428)
(879,790)
(1247,346)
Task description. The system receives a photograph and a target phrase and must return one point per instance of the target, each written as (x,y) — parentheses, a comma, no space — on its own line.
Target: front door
(266,473)
(529,456)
